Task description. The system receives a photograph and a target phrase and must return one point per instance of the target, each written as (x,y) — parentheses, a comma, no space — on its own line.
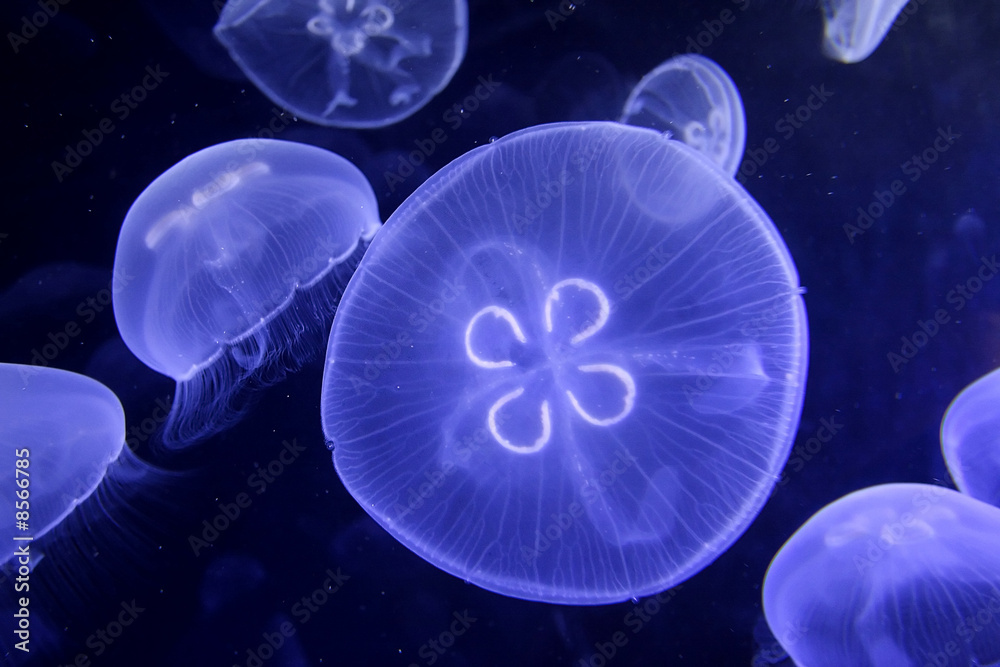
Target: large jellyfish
(571,365)
(970,439)
(898,574)
(853,29)
(59,432)
(237,256)
(694,100)
(347,63)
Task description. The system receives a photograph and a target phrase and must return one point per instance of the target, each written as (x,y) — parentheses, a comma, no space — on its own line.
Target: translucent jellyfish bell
(694,100)
(897,574)
(59,431)
(570,366)
(970,439)
(347,63)
(853,29)
(230,265)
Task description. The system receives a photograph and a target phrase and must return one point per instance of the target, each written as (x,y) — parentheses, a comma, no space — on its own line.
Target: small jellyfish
(695,101)
(236,258)
(853,29)
(970,439)
(60,431)
(347,63)
(570,367)
(897,574)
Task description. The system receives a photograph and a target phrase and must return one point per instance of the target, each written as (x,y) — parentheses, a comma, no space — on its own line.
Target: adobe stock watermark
(435,647)
(552,188)
(121,108)
(984,619)
(304,609)
(635,621)
(454,117)
(562,12)
(908,10)
(713,29)
(824,434)
(87,312)
(103,638)
(326,251)
(913,169)
(436,477)
(909,524)
(390,351)
(562,523)
(258,481)
(32,24)
(786,127)
(141,432)
(730,355)
(926,329)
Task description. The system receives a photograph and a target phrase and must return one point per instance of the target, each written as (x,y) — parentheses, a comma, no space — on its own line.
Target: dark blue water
(301,575)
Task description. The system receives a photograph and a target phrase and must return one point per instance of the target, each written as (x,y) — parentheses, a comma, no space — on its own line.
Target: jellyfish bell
(60,431)
(695,101)
(970,439)
(853,29)
(347,63)
(895,574)
(592,387)
(237,256)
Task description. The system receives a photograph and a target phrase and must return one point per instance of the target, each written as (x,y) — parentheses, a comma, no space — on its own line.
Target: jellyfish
(236,257)
(854,29)
(570,366)
(696,102)
(896,574)
(60,432)
(347,63)
(970,439)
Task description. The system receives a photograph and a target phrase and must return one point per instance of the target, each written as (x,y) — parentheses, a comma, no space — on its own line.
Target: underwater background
(302,575)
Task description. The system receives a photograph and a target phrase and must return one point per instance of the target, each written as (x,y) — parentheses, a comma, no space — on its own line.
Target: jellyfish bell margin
(237,256)
(363,64)
(592,388)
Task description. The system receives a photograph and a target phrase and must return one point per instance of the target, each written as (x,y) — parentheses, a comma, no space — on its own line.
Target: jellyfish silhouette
(59,431)
(853,29)
(347,63)
(970,439)
(897,574)
(237,256)
(694,100)
(571,365)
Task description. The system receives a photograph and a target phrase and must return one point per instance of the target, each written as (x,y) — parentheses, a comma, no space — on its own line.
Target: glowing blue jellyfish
(694,100)
(571,365)
(236,257)
(347,63)
(897,574)
(853,29)
(970,439)
(59,431)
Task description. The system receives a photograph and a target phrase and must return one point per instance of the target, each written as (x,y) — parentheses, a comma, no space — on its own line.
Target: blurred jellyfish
(237,256)
(694,100)
(853,29)
(897,574)
(347,63)
(592,384)
(59,432)
(970,439)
